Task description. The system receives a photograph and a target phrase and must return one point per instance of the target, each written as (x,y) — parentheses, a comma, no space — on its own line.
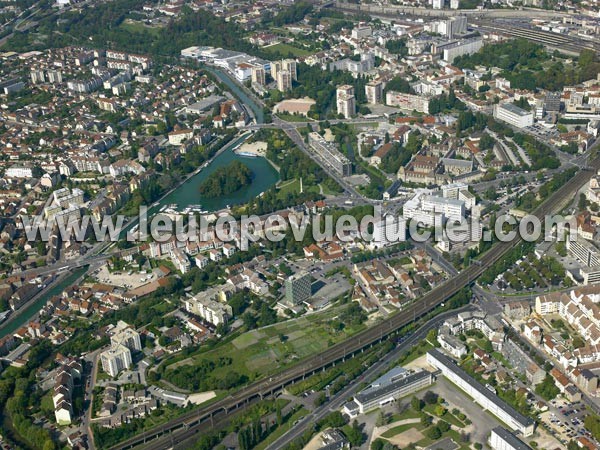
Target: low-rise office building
(397,383)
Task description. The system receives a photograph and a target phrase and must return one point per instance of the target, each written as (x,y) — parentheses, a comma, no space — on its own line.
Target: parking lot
(566,420)
(127,279)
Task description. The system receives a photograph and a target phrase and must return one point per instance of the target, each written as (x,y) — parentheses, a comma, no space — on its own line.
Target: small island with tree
(226,180)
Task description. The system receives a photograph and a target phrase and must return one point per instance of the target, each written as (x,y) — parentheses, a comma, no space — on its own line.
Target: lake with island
(264,176)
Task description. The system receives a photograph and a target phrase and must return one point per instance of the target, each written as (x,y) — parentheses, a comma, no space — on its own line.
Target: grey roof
(468,379)
(390,384)
(511,107)
(511,439)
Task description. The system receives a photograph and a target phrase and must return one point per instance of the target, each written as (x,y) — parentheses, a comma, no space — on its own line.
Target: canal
(264,176)
(238,92)
(12,324)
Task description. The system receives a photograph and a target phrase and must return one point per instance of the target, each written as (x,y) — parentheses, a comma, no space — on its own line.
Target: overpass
(185,426)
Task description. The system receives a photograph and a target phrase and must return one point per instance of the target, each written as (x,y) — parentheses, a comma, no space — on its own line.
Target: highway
(185,426)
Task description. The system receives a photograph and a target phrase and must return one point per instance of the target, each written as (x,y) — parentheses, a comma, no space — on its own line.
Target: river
(26,314)
(264,176)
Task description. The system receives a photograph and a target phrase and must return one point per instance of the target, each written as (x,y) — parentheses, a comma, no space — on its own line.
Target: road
(182,428)
(338,400)
(89,397)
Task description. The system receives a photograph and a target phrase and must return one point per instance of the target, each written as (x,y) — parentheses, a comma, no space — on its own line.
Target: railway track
(184,427)
(546,38)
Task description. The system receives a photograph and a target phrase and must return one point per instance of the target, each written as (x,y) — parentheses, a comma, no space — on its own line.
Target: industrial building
(487,399)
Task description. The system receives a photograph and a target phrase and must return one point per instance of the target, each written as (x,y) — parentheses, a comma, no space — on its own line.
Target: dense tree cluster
(200,376)
(526,65)
(547,389)
(226,180)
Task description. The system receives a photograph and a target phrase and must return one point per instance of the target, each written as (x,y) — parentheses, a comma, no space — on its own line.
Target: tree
(443,426)
(434,433)
(547,389)
(355,435)
(416,403)
(439,410)
(430,398)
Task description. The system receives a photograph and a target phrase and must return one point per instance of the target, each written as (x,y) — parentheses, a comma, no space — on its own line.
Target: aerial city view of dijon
(300,224)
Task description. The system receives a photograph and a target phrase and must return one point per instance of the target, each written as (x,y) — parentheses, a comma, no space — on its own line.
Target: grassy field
(263,352)
(293,117)
(401,429)
(293,187)
(138,27)
(285,49)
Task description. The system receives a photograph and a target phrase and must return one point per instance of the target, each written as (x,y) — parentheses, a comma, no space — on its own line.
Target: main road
(185,426)
(338,400)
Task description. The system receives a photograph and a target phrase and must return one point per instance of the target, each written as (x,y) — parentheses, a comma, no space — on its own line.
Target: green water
(264,176)
(239,93)
(10,326)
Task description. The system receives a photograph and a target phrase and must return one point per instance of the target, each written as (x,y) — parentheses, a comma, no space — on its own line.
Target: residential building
(345,101)
(259,75)
(513,115)
(298,288)
(374,91)
(115,359)
(502,439)
(126,335)
(329,152)
(284,80)
(483,396)
(408,102)
(460,48)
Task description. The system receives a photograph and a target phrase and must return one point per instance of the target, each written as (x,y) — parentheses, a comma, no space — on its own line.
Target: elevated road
(184,427)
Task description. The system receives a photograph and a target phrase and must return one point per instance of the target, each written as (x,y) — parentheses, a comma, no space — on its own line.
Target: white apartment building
(513,115)
(374,92)
(345,101)
(124,334)
(115,359)
(480,394)
(502,439)
(409,102)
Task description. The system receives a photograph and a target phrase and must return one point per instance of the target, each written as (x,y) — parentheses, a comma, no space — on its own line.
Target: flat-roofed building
(484,397)
(502,439)
(115,359)
(329,152)
(397,383)
(513,115)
